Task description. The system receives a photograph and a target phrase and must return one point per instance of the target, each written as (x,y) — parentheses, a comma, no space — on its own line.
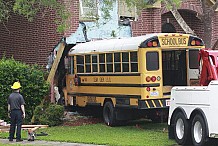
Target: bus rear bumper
(153,103)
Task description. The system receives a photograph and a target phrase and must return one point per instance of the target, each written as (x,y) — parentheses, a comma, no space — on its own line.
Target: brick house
(31,42)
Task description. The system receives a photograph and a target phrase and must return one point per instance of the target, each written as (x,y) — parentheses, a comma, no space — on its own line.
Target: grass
(137,133)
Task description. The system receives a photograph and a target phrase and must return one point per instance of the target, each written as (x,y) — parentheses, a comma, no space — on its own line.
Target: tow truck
(193,110)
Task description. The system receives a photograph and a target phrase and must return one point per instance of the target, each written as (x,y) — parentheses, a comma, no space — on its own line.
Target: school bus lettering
(102,79)
(176,41)
(95,79)
(107,79)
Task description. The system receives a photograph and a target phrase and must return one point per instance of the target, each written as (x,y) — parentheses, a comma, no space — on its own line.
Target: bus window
(193,59)
(109,59)
(134,61)
(102,62)
(125,61)
(94,63)
(117,63)
(152,61)
(80,64)
(88,63)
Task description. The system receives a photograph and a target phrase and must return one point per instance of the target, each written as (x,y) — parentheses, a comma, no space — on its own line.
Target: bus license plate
(156,93)
(167,102)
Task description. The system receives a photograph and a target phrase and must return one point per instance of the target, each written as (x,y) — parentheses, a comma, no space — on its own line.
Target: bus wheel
(181,129)
(198,131)
(109,114)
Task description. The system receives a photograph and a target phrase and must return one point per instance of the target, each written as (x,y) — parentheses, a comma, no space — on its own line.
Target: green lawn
(140,133)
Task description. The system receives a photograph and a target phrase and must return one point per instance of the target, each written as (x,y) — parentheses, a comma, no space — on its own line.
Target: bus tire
(109,114)
(198,131)
(181,129)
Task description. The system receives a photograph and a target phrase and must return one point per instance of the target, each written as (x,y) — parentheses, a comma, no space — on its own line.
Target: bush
(34,87)
(51,115)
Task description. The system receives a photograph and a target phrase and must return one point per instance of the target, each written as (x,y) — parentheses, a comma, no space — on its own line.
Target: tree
(206,18)
(173,5)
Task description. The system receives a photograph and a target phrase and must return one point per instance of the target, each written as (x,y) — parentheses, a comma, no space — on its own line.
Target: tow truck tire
(198,131)
(109,114)
(181,129)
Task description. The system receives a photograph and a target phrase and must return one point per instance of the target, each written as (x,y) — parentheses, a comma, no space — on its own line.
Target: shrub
(51,115)
(34,87)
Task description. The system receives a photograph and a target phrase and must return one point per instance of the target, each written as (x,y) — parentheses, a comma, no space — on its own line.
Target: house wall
(31,42)
(149,21)
(101,29)
(215,30)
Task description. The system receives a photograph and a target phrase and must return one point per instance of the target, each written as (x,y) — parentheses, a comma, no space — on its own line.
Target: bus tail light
(153,78)
(148,79)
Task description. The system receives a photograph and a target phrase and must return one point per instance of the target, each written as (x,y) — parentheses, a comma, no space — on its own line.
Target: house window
(88,10)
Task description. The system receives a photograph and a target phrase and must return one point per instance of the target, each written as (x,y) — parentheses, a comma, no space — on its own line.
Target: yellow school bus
(133,76)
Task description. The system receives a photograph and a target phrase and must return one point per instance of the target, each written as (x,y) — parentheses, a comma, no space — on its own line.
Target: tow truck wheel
(109,114)
(181,129)
(198,131)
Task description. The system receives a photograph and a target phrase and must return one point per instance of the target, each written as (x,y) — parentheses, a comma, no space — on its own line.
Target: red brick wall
(148,22)
(73,8)
(31,42)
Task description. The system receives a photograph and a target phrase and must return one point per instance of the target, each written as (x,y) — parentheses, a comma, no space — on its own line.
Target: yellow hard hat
(16,85)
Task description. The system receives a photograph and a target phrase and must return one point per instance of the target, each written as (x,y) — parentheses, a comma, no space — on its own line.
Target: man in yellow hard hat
(16,112)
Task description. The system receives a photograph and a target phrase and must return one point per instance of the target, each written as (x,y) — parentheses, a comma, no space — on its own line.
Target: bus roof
(107,45)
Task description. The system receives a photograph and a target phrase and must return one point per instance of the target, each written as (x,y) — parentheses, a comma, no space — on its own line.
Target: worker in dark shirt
(16,112)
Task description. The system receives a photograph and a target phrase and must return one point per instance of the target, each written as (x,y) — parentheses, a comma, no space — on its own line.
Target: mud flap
(170,132)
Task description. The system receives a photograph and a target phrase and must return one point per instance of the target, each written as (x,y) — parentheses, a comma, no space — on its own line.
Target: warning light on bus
(149,44)
(195,43)
(152,44)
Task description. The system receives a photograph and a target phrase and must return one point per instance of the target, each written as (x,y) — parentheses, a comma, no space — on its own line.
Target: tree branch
(179,18)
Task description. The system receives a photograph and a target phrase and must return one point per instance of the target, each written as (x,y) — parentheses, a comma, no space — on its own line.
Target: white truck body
(192,100)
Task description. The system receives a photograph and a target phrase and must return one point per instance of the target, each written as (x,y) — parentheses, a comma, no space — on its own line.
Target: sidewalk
(43,143)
